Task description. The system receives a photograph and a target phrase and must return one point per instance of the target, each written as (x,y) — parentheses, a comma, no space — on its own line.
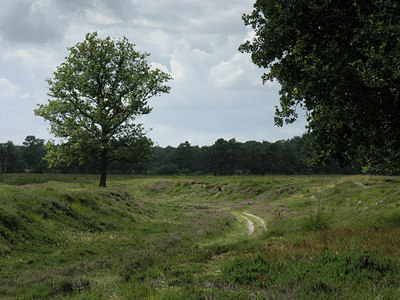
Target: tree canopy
(96,96)
(340,61)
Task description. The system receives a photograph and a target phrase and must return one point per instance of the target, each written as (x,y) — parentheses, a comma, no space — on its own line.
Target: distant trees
(96,96)
(33,152)
(224,157)
(7,156)
(26,158)
(187,158)
(232,157)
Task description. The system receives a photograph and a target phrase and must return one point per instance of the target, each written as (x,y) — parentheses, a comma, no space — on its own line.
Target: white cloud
(291,130)
(25,96)
(226,73)
(98,18)
(249,36)
(237,72)
(155,65)
(33,60)
(188,64)
(8,90)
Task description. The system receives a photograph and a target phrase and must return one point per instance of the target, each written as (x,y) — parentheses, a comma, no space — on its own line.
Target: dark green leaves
(340,61)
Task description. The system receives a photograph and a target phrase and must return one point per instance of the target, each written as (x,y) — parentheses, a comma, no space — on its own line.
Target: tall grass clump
(317,220)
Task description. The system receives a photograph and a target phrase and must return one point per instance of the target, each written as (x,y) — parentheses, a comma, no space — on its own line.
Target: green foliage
(97,94)
(33,151)
(26,158)
(11,158)
(340,63)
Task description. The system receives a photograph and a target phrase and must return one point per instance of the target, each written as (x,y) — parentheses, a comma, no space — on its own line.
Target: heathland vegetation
(182,237)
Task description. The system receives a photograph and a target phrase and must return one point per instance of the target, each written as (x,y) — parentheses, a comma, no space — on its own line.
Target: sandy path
(258,218)
(250,225)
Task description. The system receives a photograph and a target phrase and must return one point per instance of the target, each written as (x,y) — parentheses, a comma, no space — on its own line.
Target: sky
(216,91)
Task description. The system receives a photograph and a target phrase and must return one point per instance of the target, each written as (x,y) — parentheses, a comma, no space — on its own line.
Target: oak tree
(340,61)
(96,94)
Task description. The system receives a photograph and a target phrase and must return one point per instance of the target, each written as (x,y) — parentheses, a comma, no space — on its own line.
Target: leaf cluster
(339,60)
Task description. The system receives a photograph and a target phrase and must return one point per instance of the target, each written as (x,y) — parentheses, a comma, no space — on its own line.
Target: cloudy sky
(216,91)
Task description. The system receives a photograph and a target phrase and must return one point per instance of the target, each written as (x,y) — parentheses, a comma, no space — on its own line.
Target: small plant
(317,220)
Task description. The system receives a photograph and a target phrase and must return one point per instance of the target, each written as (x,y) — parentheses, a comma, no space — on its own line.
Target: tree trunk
(104,165)
(3,167)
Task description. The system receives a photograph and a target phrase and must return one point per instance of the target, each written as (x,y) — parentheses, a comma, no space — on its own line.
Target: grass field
(187,237)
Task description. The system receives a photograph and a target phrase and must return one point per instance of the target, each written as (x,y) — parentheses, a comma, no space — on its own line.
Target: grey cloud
(72,6)
(188,16)
(121,9)
(28,23)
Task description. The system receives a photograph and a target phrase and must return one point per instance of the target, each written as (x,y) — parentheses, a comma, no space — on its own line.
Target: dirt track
(250,224)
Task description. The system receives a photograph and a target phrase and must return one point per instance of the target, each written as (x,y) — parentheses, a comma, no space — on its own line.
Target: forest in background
(224,157)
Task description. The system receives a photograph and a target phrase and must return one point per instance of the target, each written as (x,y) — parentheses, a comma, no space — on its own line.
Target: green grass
(325,276)
(184,238)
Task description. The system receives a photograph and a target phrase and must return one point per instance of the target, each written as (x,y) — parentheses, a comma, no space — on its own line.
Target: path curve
(250,225)
(258,218)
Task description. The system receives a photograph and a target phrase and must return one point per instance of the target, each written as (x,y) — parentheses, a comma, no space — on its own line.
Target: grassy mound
(183,237)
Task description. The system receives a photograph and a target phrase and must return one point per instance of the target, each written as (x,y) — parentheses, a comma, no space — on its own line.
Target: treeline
(224,157)
(236,158)
(27,158)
